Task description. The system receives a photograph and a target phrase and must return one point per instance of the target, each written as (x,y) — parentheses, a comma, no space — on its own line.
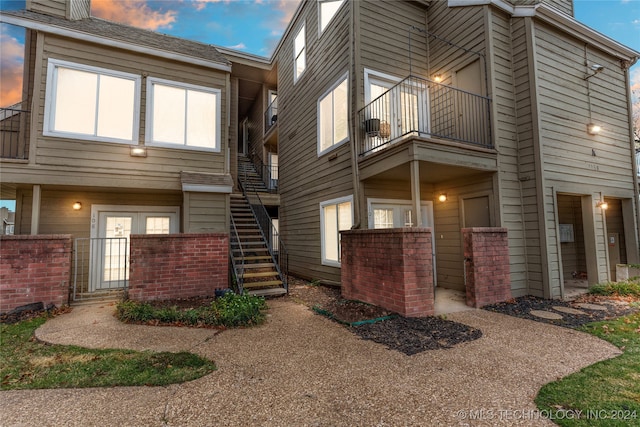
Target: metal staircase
(258,257)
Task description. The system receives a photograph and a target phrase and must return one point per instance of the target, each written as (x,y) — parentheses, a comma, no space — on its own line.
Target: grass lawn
(606,393)
(26,363)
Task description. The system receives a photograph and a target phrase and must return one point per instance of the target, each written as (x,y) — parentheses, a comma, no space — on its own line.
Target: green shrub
(239,310)
(231,310)
(629,287)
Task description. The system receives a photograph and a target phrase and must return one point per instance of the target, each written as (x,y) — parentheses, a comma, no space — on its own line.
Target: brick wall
(34,269)
(390,268)
(178,265)
(486,254)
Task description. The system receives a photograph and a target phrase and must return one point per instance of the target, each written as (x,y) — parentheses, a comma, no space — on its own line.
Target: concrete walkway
(300,369)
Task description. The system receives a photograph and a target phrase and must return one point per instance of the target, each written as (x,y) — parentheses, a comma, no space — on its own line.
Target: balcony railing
(424,108)
(14,132)
(271,115)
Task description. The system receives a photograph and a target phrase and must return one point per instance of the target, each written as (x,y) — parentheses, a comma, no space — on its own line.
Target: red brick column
(391,268)
(34,269)
(178,265)
(486,254)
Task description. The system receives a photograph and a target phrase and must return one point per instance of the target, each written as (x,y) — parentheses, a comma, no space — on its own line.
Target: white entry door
(389,213)
(111,228)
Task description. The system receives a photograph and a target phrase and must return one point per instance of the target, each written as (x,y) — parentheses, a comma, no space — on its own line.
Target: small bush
(231,310)
(239,310)
(629,287)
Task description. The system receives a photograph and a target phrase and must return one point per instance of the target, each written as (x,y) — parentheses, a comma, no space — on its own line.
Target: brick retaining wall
(486,254)
(178,265)
(391,268)
(34,269)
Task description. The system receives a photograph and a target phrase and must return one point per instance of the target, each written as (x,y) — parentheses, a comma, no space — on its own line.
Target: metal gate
(100,267)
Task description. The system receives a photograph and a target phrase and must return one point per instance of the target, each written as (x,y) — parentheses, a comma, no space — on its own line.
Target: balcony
(424,109)
(271,116)
(14,133)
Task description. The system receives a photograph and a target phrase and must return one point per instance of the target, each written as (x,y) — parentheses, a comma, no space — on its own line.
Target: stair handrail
(281,259)
(238,272)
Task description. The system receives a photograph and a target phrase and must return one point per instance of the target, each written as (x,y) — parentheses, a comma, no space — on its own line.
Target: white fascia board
(203,188)
(79,35)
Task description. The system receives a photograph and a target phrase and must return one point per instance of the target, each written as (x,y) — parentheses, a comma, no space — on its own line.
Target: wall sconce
(593,129)
(442,197)
(77,206)
(596,68)
(138,151)
(602,205)
(437,78)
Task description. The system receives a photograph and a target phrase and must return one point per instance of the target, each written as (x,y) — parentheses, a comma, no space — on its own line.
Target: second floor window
(299,54)
(85,102)
(333,116)
(180,114)
(327,10)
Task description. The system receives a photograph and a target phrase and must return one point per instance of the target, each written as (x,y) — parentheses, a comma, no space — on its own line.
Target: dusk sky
(255,26)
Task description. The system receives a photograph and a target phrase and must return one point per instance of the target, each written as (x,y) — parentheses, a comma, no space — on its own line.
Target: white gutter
(80,35)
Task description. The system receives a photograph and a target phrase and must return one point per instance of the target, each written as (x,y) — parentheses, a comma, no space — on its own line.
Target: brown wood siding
(308,179)
(80,9)
(256,128)
(57,216)
(463,26)
(208,213)
(573,160)
(48,7)
(67,160)
(384,37)
(510,206)
(526,153)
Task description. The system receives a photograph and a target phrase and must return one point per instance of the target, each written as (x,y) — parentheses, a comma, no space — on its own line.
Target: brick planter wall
(390,268)
(178,266)
(486,254)
(34,269)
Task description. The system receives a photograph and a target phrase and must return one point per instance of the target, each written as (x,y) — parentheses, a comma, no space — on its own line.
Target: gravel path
(301,369)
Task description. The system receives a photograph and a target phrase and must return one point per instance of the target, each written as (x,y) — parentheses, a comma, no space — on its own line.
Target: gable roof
(109,33)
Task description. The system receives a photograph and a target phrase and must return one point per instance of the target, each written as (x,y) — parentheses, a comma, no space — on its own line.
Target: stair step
(250,249)
(262,274)
(268,292)
(255,258)
(259,265)
(262,284)
(250,243)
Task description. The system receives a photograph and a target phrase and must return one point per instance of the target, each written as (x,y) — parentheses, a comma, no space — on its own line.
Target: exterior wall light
(138,151)
(602,205)
(437,78)
(442,197)
(593,129)
(77,206)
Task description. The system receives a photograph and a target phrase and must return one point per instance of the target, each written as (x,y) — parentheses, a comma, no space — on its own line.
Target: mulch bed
(406,335)
(522,306)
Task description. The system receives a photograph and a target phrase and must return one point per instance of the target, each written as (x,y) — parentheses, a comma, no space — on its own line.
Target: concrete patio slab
(305,370)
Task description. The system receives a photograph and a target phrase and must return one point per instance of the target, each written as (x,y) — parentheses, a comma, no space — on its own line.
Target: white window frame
(320,29)
(336,144)
(186,86)
(302,30)
(336,202)
(51,92)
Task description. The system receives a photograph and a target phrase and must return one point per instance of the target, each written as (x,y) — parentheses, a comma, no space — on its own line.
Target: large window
(299,54)
(335,216)
(327,9)
(183,115)
(333,116)
(92,103)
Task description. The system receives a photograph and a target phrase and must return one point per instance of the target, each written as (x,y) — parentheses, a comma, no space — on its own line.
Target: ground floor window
(335,215)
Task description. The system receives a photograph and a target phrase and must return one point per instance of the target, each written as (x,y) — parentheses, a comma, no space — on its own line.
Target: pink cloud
(136,13)
(288,8)
(11,66)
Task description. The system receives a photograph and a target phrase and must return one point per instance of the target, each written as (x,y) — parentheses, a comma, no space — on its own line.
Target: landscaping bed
(614,307)
(407,335)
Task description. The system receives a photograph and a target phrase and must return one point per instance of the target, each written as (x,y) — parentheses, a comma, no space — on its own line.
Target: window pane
(383,218)
(201,119)
(344,216)
(75,101)
(330,233)
(326,124)
(157,225)
(301,64)
(299,42)
(116,107)
(327,11)
(340,113)
(168,114)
